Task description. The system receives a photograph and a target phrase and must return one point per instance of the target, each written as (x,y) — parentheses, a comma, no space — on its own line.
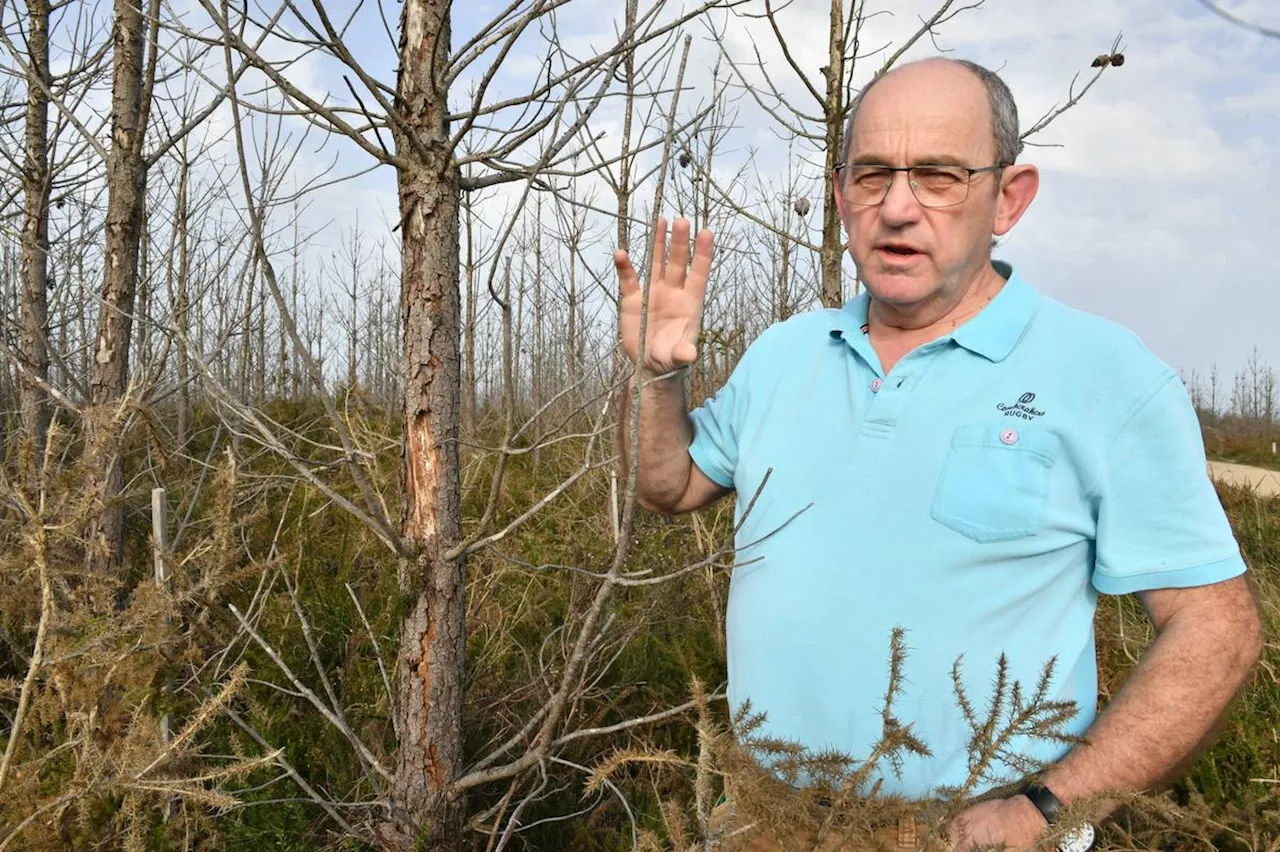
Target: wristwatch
(1081,838)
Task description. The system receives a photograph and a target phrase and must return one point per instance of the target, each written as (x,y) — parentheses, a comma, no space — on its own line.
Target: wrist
(1048,807)
(1043,801)
(1028,811)
(649,374)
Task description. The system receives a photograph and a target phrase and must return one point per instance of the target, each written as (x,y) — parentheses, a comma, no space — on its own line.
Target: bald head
(949,127)
(958,81)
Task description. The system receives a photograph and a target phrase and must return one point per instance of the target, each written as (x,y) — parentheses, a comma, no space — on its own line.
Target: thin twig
(312,697)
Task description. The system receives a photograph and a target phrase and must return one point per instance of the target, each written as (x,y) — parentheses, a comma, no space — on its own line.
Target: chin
(900,287)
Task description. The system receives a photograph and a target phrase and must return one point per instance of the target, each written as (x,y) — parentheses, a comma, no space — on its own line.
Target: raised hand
(676,291)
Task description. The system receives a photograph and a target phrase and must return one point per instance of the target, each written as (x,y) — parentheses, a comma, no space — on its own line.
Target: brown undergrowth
(112,684)
(101,659)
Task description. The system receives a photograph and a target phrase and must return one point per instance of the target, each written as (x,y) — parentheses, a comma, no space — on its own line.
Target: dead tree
(135,41)
(36,184)
(433,638)
(180,296)
(428,154)
(126,195)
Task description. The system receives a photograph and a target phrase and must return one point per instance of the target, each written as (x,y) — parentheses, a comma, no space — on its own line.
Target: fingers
(678,262)
(627,277)
(700,272)
(671,271)
(659,251)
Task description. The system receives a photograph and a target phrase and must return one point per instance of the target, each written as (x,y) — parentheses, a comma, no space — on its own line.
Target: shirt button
(1009,436)
(875,385)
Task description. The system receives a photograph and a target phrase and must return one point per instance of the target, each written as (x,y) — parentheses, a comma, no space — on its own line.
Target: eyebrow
(931,160)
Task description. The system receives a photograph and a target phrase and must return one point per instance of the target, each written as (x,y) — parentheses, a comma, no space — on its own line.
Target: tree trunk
(260,362)
(353,290)
(433,638)
(126,185)
(142,312)
(36,182)
(181,307)
(244,370)
(571,344)
(832,253)
(470,383)
(290,372)
(83,299)
(536,354)
(784,278)
(624,161)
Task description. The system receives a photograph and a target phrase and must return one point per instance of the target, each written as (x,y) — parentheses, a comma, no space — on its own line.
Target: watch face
(1078,839)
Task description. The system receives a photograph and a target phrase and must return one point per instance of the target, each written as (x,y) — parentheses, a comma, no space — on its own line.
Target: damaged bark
(433,638)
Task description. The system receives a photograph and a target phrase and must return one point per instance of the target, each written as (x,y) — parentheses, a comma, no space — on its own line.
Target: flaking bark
(433,638)
(36,182)
(126,194)
(832,254)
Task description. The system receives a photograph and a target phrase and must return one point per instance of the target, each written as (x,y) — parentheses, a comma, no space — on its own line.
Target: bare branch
(1240,22)
(1073,97)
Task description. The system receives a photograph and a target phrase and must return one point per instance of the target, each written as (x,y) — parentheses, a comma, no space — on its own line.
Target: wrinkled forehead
(925,114)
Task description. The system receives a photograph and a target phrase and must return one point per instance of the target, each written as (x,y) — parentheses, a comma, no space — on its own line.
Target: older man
(975,463)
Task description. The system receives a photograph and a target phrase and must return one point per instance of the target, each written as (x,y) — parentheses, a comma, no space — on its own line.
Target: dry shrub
(791,791)
(93,662)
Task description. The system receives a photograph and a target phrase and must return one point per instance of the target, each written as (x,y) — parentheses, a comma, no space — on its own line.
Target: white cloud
(1156,211)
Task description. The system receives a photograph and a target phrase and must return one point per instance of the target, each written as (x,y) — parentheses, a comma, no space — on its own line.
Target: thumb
(684,353)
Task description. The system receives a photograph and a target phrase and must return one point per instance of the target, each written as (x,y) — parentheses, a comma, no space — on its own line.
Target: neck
(938,316)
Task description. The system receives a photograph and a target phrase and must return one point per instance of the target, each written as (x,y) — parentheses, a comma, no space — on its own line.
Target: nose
(900,206)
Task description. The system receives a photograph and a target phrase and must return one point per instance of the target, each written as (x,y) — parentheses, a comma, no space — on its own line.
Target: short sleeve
(717,423)
(1160,523)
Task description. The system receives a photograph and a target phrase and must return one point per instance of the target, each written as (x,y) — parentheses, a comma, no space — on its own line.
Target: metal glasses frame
(911,184)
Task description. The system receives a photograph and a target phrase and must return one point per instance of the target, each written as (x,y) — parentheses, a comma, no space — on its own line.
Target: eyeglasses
(933,186)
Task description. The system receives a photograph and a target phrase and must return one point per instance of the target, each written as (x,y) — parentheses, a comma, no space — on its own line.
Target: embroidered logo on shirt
(1022,409)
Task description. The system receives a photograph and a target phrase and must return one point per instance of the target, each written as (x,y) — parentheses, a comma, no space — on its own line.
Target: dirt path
(1265,482)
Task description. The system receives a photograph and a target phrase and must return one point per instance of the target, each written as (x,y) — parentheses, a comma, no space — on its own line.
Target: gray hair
(1004,112)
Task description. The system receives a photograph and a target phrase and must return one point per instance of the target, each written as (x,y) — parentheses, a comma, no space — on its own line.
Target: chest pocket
(995,481)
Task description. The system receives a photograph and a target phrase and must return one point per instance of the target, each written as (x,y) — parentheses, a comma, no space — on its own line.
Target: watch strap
(1046,803)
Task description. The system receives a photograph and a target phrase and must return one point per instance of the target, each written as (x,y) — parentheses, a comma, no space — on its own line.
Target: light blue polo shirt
(981,495)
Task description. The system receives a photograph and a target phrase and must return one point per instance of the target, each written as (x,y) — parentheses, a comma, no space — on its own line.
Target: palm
(676,291)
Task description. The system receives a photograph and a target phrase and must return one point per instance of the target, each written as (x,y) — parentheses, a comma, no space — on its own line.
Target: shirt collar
(1000,325)
(992,333)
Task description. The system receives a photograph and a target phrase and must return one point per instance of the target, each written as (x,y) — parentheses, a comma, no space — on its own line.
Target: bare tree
(428,783)
(131,86)
(180,295)
(36,184)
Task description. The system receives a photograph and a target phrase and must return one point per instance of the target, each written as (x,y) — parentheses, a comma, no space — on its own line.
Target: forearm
(665,435)
(1168,710)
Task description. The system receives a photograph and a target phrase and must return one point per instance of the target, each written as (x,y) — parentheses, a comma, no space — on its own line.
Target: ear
(1018,187)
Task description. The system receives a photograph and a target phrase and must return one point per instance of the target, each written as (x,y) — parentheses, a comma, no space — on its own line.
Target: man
(969,460)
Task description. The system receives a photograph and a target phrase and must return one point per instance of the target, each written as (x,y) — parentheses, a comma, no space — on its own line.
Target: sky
(1161,207)
(1160,191)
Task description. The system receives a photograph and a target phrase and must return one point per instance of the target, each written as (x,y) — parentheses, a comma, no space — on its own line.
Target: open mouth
(898,250)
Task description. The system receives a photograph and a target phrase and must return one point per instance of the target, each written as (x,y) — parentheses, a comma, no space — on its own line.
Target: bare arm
(1208,639)
(668,479)
(1170,708)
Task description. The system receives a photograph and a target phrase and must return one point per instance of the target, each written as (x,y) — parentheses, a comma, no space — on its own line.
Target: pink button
(875,385)
(1009,436)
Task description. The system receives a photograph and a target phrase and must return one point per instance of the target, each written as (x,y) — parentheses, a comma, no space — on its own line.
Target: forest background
(313,532)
